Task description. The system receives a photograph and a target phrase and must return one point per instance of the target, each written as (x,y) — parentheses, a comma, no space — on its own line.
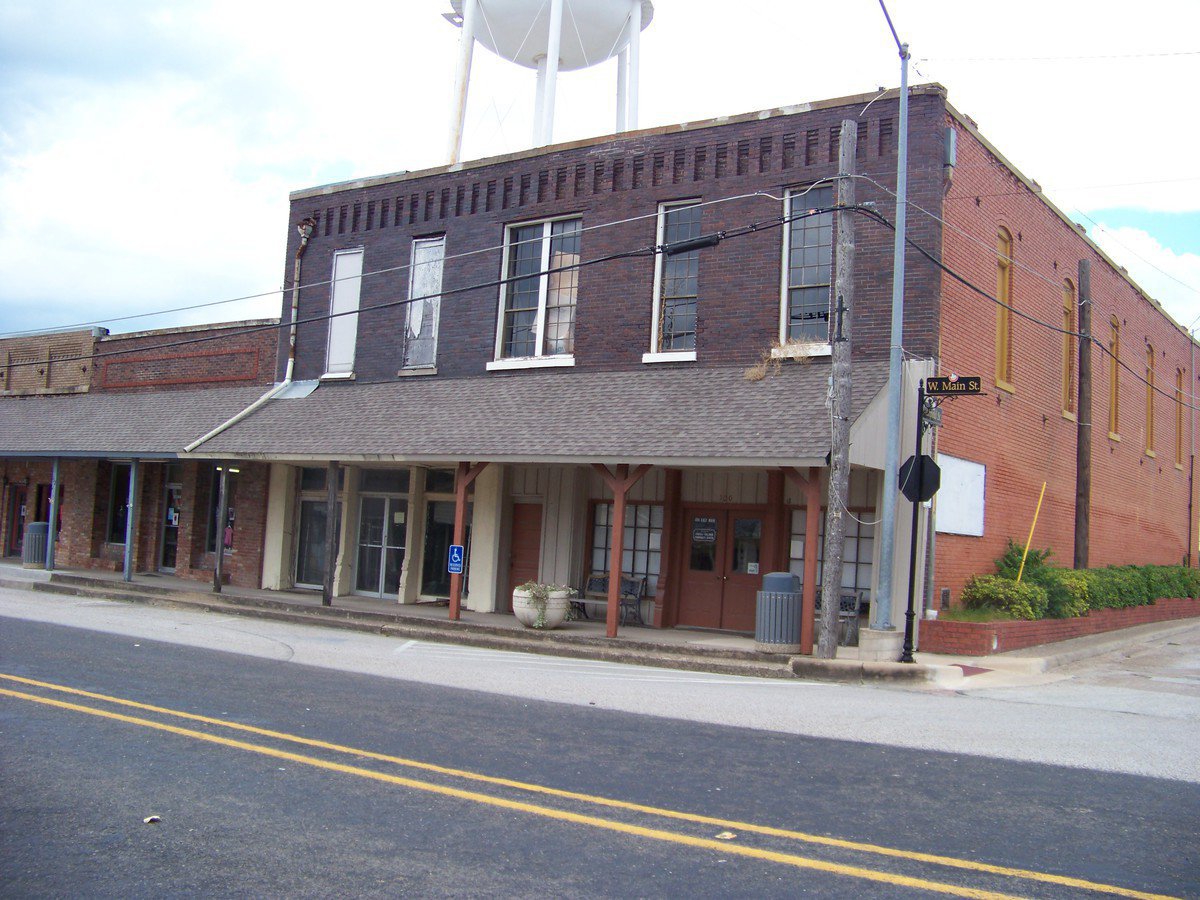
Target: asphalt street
(275,777)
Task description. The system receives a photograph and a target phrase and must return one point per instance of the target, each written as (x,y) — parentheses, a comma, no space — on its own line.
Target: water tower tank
(593,30)
(551,36)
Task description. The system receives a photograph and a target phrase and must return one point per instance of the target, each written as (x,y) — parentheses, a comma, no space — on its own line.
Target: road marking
(694,818)
(532,809)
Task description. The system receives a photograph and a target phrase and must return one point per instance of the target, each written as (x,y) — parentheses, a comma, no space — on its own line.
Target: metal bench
(595,593)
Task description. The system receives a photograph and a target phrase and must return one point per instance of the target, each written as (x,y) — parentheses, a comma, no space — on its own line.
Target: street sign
(953,385)
(454,565)
(930,478)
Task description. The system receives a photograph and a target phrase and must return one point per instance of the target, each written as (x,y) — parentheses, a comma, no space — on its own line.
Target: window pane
(810,254)
(680,276)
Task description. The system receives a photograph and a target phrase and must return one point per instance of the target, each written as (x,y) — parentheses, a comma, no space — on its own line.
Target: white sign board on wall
(960,499)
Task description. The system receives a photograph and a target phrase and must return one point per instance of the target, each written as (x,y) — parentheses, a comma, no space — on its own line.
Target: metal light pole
(881,607)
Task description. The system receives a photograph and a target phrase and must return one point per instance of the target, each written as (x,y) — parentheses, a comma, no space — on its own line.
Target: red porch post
(812,525)
(619,483)
(463,476)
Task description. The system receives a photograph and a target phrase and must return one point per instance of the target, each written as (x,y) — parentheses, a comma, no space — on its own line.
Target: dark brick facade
(611,181)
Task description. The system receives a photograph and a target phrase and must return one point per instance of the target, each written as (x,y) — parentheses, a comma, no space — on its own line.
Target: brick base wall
(982,638)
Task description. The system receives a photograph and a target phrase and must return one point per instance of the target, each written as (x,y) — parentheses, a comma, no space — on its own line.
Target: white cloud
(1173,279)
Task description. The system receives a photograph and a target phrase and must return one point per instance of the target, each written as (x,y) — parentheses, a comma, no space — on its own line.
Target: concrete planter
(529,615)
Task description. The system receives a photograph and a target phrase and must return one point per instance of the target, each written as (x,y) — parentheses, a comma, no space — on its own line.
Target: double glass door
(381,530)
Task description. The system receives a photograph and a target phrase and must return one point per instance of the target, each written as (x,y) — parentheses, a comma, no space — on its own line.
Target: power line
(1135,253)
(648,251)
(399,268)
(1007,59)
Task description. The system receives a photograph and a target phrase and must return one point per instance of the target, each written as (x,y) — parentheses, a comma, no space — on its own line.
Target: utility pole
(842,304)
(1083,442)
(881,605)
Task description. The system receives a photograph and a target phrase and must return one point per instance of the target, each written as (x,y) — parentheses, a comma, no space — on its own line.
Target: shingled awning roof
(152,424)
(675,416)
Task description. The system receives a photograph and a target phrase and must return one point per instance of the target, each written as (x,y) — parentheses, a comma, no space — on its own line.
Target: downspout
(305,229)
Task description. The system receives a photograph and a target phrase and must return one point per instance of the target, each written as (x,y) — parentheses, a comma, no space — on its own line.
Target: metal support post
(52,534)
(906,655)
(130,521)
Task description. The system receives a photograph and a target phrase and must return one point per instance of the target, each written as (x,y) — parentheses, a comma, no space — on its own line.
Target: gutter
(305,228)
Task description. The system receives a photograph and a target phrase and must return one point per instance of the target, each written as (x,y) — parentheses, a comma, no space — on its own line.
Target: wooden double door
(721,568)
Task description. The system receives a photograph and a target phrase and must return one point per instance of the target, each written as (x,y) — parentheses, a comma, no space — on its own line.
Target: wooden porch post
(332,532)
(464,475)
(812,527)
(620,483)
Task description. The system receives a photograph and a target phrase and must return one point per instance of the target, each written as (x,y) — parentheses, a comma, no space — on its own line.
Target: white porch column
(279,540)
(484,577)
(414,537)
(343,574)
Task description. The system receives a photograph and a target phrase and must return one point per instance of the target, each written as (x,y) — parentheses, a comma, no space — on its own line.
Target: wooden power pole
(841,305)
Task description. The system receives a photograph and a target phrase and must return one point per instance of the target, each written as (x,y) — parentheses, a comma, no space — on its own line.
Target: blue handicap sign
(454,564)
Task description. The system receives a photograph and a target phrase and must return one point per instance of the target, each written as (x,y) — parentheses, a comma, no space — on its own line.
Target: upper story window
(1179,418)
(1114,377)
(1068,347)
(1004,333)
(425,303)
(343,310)
(537,301)
(676,286)
(1150,391)
(808,266)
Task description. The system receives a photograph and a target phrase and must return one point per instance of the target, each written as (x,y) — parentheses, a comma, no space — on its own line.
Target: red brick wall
(1139,502)
(981,638)
(243,563)
(235,356)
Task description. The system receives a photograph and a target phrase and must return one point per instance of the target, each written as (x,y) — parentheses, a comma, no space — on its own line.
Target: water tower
(551,36)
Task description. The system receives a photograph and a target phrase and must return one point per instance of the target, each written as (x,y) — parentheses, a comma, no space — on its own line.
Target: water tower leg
(622,88)
(539,102)
(553,42)
(635,58)
(462,77)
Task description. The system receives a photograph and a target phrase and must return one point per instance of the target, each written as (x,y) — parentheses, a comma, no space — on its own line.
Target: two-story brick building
(506,324)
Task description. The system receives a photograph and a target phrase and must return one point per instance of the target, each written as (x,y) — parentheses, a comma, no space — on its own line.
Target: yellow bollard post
(1021,571)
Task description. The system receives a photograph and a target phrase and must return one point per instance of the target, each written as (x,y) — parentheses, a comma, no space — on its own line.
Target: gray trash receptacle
(33,545)
(777,614)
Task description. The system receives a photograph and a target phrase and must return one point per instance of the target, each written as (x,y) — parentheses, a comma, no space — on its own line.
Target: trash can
(33,545)
(777,614)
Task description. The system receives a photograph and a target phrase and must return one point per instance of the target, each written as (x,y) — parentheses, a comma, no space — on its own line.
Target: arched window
(1150,399)
(1179,418)
(1004,367)
(1114,377)
(1069,346)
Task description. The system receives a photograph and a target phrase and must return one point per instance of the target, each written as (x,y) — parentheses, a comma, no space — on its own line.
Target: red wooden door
(721,569)
(743,544)
(703,568)
(526,537)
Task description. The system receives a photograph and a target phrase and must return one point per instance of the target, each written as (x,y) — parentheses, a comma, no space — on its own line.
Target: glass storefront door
(381,530)
(310,543)
(439,535)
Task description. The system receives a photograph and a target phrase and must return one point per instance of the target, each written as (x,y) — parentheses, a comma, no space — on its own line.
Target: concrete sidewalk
(676,648)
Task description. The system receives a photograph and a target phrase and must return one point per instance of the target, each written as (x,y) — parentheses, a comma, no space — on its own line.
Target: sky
(147,148)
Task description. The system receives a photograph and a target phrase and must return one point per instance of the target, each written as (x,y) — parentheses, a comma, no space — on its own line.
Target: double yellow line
(549,812)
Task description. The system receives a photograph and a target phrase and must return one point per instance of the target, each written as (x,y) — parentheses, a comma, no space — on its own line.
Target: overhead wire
(647,251)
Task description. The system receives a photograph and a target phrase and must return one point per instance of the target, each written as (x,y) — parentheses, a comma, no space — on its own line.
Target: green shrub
(1008,564)
(1021,600)
(1067,592)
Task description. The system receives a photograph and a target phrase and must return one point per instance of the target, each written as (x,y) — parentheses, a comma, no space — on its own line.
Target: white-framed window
(343,308)
(807,267)
(641,555)
(425,303)
(857,550)
(537,301)
(676,286)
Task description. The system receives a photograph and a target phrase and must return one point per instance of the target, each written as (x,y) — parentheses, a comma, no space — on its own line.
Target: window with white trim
(676,282)
(343,311)
(857,551)
(808,266)
(424,303)
(641,555)
(537,302)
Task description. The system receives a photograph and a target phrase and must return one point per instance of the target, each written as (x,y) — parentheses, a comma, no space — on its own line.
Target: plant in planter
(538,605)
